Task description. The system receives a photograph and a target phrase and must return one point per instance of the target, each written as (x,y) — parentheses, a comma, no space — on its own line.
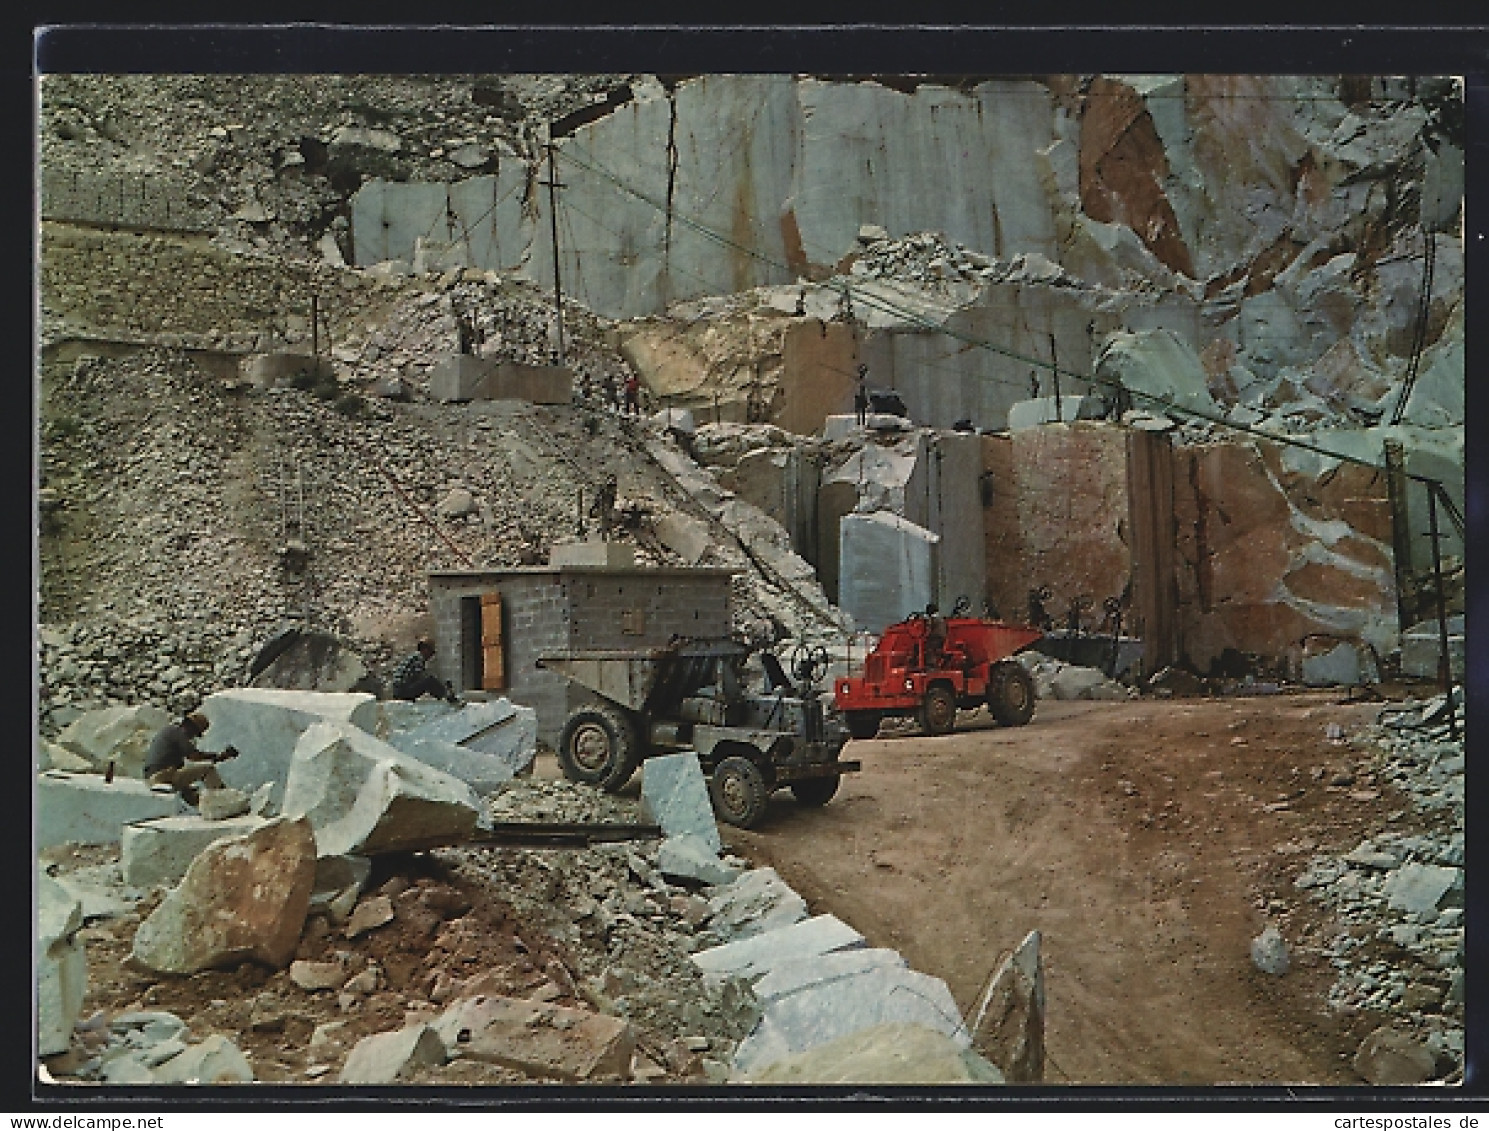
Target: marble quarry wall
(1268,556)
(1041,531)
(1276,226)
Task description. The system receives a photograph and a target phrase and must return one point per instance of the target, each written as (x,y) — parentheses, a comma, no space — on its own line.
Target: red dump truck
(916,671)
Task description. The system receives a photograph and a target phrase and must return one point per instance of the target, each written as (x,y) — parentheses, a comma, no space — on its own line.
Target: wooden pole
(1401,550)
(558,296)
(1055,373)
(1444,658)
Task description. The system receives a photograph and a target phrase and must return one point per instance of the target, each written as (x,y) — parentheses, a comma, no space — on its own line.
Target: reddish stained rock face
(1330,585)
(1041,532)
(1122,170)
(242,899)
(1247,577)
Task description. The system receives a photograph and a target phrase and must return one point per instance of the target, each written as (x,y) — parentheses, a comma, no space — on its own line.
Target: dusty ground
(1144,840)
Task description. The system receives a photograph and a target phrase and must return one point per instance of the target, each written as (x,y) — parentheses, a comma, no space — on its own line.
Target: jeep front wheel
(739,791)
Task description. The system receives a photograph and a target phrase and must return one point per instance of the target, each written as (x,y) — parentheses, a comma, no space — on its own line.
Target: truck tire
(598,746)
(816,791)
(938,710)
(862,724)
(1011,697)
(739,791)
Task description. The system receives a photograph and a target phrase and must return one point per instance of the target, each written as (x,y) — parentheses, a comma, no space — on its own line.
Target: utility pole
(1401,549)
(558,296)
(1444,657)
(1055,373)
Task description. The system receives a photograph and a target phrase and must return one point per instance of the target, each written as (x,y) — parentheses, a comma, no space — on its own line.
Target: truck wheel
(815,791)
(862,724)
(739,791)
(938,711)
(598,747)
(1011,698)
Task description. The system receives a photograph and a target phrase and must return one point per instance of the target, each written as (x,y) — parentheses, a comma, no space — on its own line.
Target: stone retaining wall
(181,291)
(122,200)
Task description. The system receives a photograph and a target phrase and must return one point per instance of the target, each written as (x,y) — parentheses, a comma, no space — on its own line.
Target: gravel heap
(630,934)
(621,934)
(536,799)
(172,494)
(162,571)
(1399,896)
(945,267)
(630,929)
(514,318)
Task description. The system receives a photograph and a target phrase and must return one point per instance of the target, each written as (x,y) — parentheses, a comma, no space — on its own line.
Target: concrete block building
(492,625)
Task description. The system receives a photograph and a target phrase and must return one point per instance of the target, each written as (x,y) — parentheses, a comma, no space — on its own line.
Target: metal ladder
(294,534)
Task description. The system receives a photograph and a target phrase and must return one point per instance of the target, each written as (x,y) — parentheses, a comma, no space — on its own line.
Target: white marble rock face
(264,724)
(363,796)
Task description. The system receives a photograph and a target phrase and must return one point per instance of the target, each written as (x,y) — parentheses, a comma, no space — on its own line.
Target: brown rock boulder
(244,898)
(1009,1027)
(1389,1056)
(540,1039)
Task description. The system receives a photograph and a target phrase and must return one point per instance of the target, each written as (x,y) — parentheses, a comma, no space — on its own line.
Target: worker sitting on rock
(412,677)
(175,761)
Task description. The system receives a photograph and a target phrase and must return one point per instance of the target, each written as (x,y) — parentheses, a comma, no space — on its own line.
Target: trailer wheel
(862,724)
(938,710)
(598,747)
(739,791)
(1011,697)
(816,791)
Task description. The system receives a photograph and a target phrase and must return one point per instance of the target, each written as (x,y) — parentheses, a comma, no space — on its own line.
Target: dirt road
(1144,839)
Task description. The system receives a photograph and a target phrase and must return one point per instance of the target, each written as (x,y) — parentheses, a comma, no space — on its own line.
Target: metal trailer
(691,695)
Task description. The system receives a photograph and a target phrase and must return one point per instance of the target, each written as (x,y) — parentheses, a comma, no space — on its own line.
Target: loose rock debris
(487,965)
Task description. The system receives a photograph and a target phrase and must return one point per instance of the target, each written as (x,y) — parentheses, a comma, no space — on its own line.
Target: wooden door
(493,650)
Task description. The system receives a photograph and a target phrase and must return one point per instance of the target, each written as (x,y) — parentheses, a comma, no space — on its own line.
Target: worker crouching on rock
(412,677)
(175,761)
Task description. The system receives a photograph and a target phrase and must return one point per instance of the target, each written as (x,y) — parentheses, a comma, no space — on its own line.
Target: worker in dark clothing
(412,677)
(633,395)
(861,397)
(1039,616)
(935,633)
(175,761)
(602,510)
